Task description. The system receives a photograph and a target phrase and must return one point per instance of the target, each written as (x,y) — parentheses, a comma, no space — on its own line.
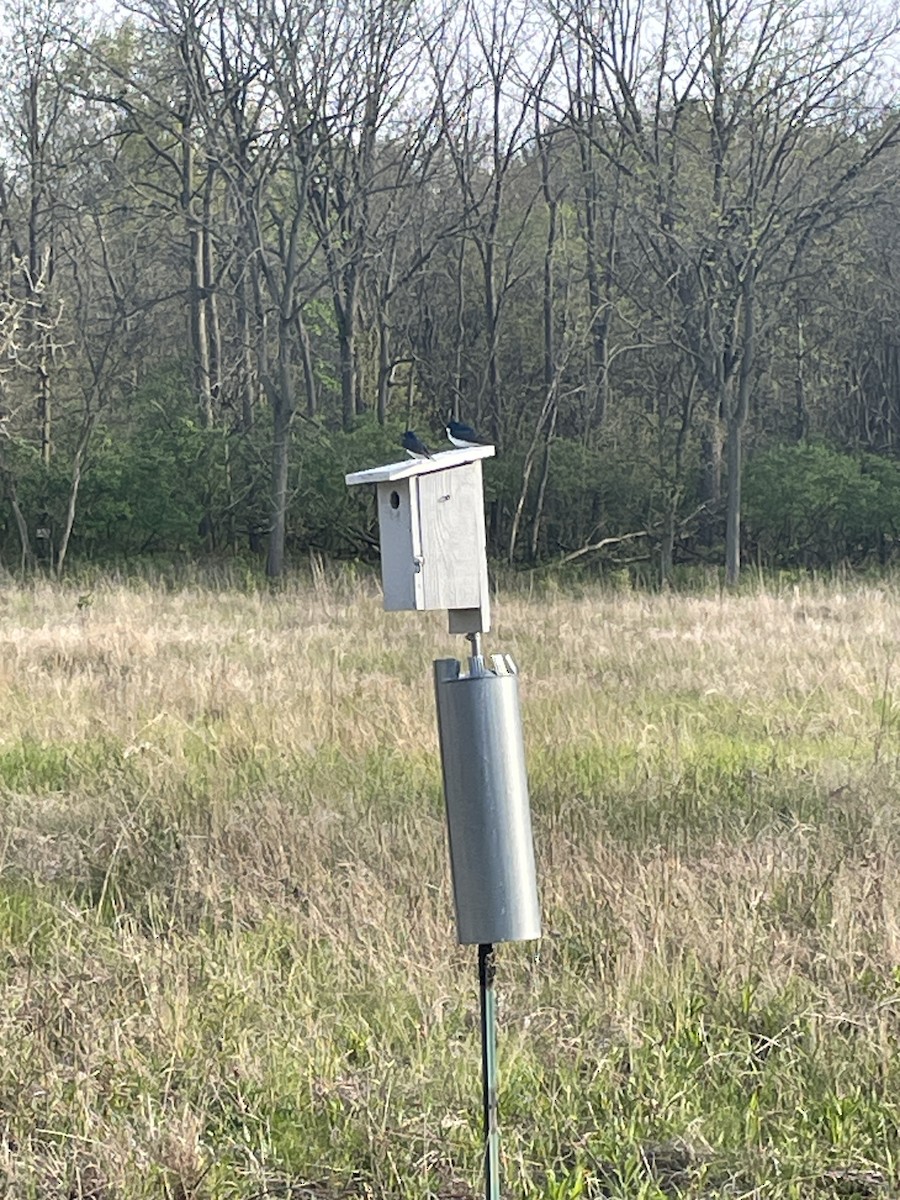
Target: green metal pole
(486,971)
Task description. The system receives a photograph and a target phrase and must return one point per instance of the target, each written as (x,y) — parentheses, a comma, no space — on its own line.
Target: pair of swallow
(461,435)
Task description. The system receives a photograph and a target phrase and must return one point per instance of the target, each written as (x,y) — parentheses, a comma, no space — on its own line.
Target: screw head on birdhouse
(431,525)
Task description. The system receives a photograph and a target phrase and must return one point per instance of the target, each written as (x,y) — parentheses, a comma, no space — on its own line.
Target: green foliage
(324,513)
(146,486)
(592,492)
(147,481)
(157,482)
(812,506)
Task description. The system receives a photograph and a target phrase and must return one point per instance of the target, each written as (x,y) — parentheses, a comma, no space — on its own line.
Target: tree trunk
(523,496)
(491,326)
(667,545)
(538,518)
(733,506)
(280,463)
(385,346)
(801,417)
(210,298)
(348,386)
(196,303)
(460,340)
(309,373)
(599,292)
(262,332)
(737,418)
(9,487)
(248,391)
(74,487)
(282,412)
(346,354)
(384,369)
(550,407)
(44,404)
(711,449)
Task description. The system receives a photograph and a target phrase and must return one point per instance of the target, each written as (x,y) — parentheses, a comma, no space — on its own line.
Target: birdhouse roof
(408,467)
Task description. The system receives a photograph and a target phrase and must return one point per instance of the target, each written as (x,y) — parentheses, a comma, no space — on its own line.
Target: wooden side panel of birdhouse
(401,548)
(451,504)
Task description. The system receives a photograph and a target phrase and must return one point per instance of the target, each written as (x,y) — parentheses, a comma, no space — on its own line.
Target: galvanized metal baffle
(491,849)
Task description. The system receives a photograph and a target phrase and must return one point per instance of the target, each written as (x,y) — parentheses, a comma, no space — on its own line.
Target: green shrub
(812,506)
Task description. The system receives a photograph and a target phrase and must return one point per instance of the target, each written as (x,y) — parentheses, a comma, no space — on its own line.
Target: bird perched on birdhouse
(414,446)
(464,436)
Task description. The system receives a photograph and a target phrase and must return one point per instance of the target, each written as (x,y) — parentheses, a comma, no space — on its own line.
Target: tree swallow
(464,436)
(414,446)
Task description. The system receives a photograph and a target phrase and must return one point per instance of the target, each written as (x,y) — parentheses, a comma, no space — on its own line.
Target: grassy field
(227,954)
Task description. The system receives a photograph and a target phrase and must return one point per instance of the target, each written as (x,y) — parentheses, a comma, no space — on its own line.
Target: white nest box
(431,521)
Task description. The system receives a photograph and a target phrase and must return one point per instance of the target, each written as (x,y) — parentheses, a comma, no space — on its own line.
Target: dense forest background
(650,249)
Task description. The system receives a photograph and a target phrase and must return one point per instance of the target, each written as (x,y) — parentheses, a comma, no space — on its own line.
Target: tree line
(650,249)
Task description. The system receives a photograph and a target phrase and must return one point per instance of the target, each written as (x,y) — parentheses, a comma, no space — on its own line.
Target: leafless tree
(486,71)
(753,126)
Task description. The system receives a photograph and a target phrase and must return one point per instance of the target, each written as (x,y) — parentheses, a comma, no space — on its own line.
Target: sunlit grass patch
(30,765)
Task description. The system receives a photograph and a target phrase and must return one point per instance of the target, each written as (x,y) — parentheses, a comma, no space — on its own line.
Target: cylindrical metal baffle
(486,792)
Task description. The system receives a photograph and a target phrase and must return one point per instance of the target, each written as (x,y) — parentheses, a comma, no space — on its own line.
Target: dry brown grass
(226,943)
